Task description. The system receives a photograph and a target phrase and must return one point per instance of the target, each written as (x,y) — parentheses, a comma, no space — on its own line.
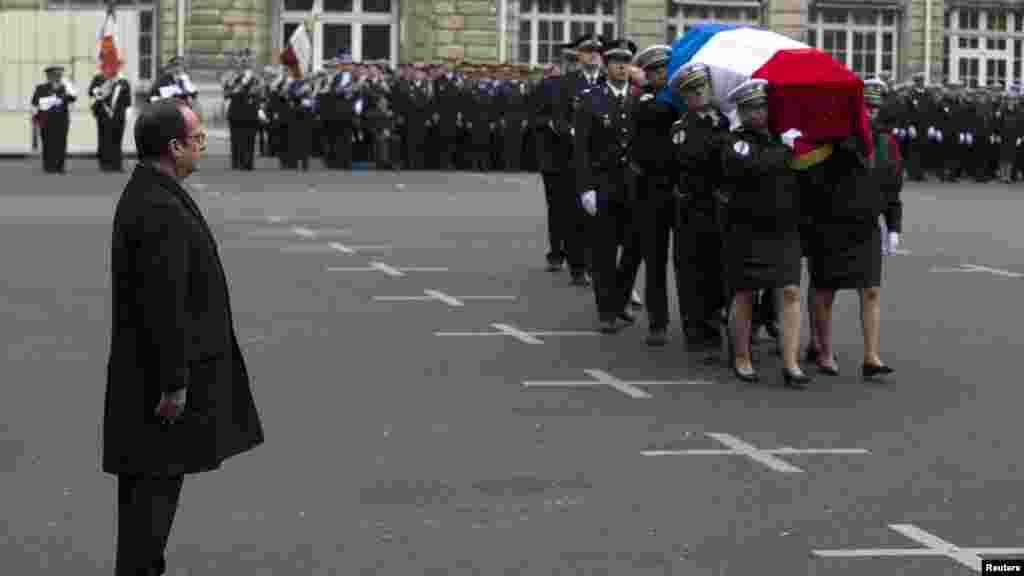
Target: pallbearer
(762,238)
(657,171)
(698,238)
(849,239)
(51,102)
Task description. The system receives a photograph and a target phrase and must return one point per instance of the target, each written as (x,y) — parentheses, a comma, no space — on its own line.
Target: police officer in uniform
(762,247)
(111,99)
(586,76)
(242,92)
(698,251)
(654,162)
(51,102)
(604,134)
(174,83)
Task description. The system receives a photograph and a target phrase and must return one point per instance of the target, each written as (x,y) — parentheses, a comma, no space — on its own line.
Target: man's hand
(894,241)
(172,405)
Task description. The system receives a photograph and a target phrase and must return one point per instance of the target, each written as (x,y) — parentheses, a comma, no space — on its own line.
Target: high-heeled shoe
(827,370)
(794,380)
(748,377)
(872,372)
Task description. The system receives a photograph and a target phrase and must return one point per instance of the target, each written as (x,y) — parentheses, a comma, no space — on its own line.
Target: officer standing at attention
(655,164)
(242,92)
(699,238)
(51,102)
(604,133)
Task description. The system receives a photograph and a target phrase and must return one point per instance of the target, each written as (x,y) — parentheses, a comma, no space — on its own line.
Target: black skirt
(758,259)
(846,256)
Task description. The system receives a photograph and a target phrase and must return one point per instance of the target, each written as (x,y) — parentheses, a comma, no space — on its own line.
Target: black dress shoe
(795,381)
(579,279)
(827,370)
(609,327)
(811,354)
(627,317)
(872,372)
(748,377)
(553,266)
(657,337)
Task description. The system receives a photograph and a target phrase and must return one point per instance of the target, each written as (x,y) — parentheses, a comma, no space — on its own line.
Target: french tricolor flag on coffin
(810,90)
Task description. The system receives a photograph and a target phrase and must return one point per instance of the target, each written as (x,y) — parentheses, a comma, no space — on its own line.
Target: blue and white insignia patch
(741,148)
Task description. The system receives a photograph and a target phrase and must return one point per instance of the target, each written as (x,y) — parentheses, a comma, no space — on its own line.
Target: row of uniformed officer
(111,98)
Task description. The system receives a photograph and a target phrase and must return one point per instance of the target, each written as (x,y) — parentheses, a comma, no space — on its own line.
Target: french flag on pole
(298,55)
(109,60)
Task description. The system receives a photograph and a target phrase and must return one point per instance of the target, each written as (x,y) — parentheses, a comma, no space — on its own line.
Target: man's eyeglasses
(199,138)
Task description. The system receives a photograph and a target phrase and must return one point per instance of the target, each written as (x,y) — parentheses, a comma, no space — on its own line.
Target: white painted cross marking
(525,336)
(356,248)
(602,378)
(934,546)
(386,268)
(976,268)
(437,295)
(738,447)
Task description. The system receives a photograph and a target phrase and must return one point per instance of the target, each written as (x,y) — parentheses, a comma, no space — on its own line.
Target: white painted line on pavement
(357,248)
(933,546)
(275,219)
(768,458)
(304,232)
(517,334)
(602,378)
(624,387)
(996,271)
(525,336)
(449,300)
(389,270)
(385,268)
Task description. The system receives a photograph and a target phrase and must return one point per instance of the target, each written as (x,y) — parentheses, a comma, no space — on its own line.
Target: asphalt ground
(392,450)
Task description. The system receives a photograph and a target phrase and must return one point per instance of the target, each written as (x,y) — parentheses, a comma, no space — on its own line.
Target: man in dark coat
(178,399)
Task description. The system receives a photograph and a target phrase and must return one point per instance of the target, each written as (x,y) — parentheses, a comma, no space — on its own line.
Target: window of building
(864,39)
(366,29)
(982,46)
(685,15)
(544,24)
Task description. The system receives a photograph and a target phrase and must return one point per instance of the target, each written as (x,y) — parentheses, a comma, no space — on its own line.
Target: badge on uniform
(741,148)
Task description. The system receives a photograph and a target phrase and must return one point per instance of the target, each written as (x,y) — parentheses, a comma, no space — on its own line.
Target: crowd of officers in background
(951,132)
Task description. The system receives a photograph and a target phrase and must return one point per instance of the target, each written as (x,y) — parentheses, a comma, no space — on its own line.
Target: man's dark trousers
(145,512)
(657,217)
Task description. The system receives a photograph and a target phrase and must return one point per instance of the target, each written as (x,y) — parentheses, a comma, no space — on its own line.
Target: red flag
(109,60)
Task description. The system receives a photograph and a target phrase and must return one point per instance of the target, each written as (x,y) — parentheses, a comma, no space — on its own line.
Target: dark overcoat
(171,328)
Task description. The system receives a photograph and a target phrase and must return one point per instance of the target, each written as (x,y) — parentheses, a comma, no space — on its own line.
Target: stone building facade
(971,41)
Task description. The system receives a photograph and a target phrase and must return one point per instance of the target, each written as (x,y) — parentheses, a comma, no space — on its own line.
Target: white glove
(938,137)
(69,88)
(262,115)
(679,136)
(912,131)
(969,138)
(931,132)
(789,137)
(589,201)
(894,241)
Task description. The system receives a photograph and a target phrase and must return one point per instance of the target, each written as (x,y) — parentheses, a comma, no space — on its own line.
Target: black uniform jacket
(604,128)
(760,186)
(171,328)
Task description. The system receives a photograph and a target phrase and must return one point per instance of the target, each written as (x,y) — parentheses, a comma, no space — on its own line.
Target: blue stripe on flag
(683,51)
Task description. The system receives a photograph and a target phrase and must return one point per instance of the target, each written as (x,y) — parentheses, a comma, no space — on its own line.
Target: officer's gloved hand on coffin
(589,201)
(789,137)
